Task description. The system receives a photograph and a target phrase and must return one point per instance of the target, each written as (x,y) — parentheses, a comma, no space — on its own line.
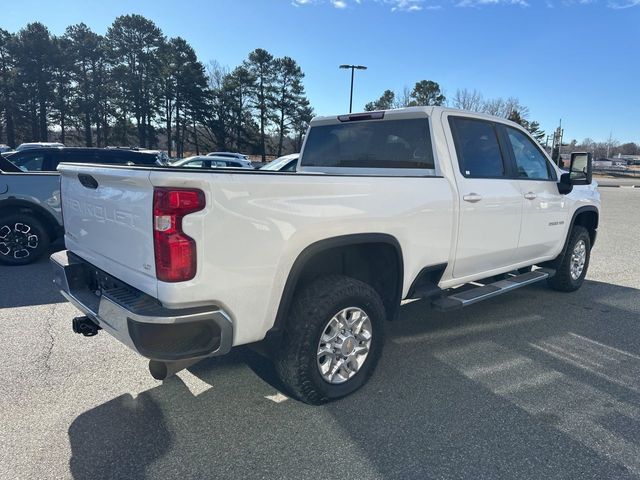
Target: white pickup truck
(386,206)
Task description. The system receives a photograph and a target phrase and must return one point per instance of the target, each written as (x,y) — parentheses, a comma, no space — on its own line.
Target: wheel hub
(348,345)
(344,345)
(17,240)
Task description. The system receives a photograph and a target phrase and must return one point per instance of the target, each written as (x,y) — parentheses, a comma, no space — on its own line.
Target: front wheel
(333,339)
(574,264)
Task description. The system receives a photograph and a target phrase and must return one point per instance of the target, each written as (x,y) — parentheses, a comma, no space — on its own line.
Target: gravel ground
(534,384)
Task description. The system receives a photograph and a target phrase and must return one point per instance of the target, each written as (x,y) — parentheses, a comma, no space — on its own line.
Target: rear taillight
(174,250)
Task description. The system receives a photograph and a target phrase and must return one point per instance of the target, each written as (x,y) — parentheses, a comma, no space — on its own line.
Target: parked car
(30,210)
(206,161)
(402,204)
(237,156)
(287,163)
(5,148)
(47,159)
(27,146)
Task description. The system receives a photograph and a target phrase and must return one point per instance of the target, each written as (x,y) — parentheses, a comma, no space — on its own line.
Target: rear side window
(29,162)
(477,148)
(370,144)
(193,164)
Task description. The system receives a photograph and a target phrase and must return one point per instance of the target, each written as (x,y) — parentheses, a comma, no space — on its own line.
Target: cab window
(477,147)
(530,162)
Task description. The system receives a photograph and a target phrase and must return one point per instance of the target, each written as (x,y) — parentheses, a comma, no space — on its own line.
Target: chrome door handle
(530,196)
(472,198)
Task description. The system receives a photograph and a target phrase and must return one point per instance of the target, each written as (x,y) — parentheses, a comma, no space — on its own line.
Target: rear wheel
(23,239)
(572,268)
(333,339)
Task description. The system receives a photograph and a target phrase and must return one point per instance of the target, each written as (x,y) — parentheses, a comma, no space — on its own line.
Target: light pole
(353,68)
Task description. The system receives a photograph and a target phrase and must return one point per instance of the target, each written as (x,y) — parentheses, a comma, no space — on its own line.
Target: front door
(544,213)
(491,200)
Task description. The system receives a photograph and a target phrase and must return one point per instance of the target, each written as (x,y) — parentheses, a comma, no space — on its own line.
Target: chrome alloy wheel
(578,259)
(17,241)
(344,345)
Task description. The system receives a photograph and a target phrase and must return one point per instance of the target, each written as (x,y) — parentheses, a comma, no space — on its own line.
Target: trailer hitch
(85,326)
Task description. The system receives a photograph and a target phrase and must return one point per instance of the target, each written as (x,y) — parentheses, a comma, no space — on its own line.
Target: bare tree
(404,99)
(468,100)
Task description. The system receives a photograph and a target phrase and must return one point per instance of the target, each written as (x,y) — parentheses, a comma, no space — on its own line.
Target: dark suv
(47,159)
(30,209)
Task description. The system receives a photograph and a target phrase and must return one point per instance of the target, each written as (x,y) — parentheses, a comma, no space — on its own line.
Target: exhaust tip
(162,370)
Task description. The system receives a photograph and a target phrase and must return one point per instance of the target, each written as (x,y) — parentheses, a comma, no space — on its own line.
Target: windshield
(280,163)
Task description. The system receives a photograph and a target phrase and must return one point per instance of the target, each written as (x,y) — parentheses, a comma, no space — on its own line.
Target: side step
(478,294)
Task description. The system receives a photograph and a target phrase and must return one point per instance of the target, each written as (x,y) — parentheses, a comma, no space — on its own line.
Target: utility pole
(557,144)
(353,68)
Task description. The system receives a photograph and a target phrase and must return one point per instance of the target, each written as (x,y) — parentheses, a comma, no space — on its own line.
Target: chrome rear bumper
(139,320)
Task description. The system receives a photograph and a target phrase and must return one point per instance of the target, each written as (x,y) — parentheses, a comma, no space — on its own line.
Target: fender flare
(584,209)
(51,223)
(328,243)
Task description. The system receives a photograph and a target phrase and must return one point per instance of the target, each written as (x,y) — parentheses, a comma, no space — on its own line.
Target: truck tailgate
(108,221)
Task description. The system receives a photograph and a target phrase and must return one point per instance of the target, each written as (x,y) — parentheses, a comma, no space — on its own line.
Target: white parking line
(582,412)
(277,398)
(610,363)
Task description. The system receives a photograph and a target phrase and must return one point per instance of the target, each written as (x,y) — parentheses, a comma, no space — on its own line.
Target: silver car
(234,156)
(206,161)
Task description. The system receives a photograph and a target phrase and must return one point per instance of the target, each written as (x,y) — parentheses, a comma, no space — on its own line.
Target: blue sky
(578,60)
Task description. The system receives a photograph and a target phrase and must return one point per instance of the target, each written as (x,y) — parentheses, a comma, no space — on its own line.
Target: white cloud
(614,4)
(420,5)
(480,3)
(624,4)
(394,5)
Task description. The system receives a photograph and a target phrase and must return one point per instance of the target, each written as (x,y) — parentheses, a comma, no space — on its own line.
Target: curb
(618,186)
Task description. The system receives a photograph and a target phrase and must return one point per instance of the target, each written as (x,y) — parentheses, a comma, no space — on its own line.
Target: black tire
(562,280)
(313,307)
(23,239)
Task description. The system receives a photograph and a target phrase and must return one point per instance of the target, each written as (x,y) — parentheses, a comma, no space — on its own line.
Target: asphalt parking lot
(534,384)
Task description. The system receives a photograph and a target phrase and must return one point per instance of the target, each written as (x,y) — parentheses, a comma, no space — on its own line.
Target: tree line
(428,92)
(135,86)
(608,149)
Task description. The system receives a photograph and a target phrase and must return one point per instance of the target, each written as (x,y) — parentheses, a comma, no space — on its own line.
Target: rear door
(108,220)
(490,199)
(544,210)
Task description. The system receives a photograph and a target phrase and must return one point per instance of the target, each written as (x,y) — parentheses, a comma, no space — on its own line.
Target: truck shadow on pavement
(535,384)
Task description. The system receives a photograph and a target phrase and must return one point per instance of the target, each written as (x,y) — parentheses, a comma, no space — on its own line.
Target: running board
(478,294)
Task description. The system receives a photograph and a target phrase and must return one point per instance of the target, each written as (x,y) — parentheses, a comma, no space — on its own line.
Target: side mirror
(564,185)
(581,170)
